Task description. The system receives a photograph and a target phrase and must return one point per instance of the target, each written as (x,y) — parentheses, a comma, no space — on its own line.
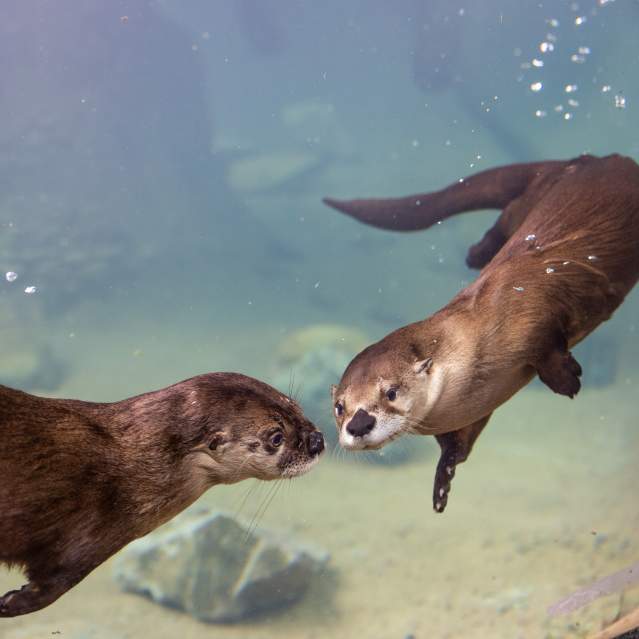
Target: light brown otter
(559,260)
(80,480)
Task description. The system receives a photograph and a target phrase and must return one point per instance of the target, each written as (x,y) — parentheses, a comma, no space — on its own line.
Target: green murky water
(162,169)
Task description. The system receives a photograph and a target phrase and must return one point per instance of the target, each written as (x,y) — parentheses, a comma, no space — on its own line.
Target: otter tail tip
(333,203)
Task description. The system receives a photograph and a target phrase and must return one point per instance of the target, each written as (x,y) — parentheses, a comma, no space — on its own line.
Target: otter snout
(315,443)
(361,424)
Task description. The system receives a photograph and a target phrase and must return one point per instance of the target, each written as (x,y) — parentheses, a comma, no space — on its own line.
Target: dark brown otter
(560,259)
(80,480)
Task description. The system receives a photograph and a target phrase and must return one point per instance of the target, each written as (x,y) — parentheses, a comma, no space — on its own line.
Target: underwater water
(162,167)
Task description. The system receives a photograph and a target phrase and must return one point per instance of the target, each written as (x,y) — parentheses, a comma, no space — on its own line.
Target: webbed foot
(456,447)
(560,371)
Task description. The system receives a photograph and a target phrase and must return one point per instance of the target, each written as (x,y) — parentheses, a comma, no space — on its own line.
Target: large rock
(216,570)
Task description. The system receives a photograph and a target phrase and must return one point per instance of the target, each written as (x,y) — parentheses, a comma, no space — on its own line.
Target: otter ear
(333,391)
(218,439)
(423,366)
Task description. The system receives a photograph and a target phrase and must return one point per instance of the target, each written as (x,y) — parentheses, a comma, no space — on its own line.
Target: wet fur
(560,259)
(80,480)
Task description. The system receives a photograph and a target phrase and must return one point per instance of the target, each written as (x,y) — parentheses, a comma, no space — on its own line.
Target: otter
(559,260)
(80,480)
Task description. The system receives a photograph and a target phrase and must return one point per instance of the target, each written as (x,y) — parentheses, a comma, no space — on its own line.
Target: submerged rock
(216,570)
(26,361)
(315,123)
(270,170)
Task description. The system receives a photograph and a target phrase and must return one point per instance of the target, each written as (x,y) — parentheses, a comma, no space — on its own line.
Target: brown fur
(80,480)
(560,259)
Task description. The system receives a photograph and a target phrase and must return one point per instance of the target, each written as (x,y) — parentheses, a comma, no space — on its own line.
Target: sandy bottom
(546,504)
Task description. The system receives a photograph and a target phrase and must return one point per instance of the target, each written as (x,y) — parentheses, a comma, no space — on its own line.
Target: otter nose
(361,424)
(315,443)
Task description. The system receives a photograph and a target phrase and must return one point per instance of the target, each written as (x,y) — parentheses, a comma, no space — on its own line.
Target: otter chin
(559,260)
(80,480)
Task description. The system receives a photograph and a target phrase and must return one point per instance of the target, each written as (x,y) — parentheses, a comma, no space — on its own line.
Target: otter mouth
(302,462)
(299,467)
(376,434)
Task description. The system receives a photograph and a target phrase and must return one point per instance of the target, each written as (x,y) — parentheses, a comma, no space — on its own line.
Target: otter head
(386,391)
(249,429)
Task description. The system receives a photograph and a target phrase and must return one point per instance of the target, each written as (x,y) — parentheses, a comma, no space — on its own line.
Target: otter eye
(277,439)
(339,409)
(391,394)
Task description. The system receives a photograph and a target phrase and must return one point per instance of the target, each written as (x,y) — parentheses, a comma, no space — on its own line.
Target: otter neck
(477,370)
(451,380)
(153,465)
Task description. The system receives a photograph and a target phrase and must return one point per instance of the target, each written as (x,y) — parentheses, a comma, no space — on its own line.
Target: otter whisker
(261,511)
(247,493)
(291,383)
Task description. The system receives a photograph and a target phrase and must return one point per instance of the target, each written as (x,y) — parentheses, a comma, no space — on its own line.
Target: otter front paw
(29,598)
(560,371)
(443,476)
(10,603)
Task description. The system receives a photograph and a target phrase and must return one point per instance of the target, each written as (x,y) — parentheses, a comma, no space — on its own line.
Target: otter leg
(455,448)
(497,235)
(481,253)
(559,370)
(37,594)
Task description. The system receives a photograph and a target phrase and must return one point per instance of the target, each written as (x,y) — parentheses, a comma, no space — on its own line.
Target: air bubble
(519,289)
(536,87)
(540,113)
(620,102)
(11,276)
(550,270)
(546,47)
(606,88)
(592,258)
(580,20)
(30,290)
(570,88)
(531,237)
(537,63)
(567,116)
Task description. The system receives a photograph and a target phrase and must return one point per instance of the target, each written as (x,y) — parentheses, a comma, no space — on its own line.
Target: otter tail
(491,189)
